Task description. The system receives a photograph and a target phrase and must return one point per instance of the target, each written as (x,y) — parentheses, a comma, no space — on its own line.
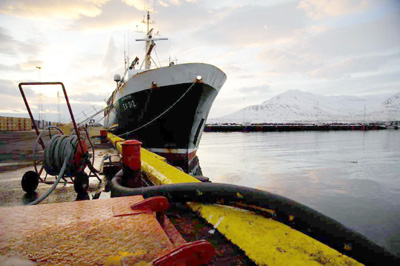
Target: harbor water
(351,176)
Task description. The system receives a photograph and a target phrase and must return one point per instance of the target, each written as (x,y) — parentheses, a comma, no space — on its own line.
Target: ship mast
(150,42)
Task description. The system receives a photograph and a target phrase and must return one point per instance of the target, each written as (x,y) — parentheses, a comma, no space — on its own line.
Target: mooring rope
(157,117)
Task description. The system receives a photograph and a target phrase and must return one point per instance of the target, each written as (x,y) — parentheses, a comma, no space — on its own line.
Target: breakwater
(290,127)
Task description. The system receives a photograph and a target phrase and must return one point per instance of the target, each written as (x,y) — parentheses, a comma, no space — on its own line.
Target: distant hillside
(297,106)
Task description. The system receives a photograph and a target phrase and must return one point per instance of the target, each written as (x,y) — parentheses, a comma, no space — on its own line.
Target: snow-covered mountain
(389,109)
(297,106)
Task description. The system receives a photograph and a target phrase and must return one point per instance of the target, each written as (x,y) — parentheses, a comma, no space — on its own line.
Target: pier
(269,127)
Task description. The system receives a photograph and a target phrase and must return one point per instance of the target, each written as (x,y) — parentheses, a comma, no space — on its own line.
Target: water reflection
(351,176)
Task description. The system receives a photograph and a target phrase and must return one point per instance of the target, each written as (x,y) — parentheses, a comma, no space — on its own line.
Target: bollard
(103,136)
(131,163)
(131,154)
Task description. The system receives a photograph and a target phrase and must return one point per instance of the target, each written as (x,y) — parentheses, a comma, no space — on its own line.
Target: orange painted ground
(82,232)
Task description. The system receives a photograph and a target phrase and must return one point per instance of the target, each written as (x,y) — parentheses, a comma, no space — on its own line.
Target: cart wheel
(81,183)
(30,181)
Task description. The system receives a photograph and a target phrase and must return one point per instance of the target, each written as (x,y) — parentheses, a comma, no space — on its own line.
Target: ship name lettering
(129,105)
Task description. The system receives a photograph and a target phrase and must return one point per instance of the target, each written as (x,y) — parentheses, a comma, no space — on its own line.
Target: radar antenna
(150,42)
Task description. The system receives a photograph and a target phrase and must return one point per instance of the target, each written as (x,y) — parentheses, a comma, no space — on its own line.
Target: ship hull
(167,114)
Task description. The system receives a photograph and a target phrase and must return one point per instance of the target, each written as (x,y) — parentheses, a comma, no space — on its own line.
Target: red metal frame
(30,112)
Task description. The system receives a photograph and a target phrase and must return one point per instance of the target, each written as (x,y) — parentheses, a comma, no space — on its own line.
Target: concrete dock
(16,159)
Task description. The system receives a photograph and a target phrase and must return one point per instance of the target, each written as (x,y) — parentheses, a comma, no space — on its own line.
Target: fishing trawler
(164,107)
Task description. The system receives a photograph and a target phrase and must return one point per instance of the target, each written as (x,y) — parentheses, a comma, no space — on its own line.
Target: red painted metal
(131,154)
(155,204)
(66,99)
(30,112)
(103,136)
(80,155)
(194,253)
(170,230)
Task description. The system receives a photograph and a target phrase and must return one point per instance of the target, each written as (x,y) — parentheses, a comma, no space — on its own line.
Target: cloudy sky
(327,47)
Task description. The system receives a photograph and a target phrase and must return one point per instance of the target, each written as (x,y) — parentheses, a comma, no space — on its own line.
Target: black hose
(58,160)
(59,149)
(53,187)
(306,219)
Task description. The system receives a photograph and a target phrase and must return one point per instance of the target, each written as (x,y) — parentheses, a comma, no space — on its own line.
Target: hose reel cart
(59,155)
